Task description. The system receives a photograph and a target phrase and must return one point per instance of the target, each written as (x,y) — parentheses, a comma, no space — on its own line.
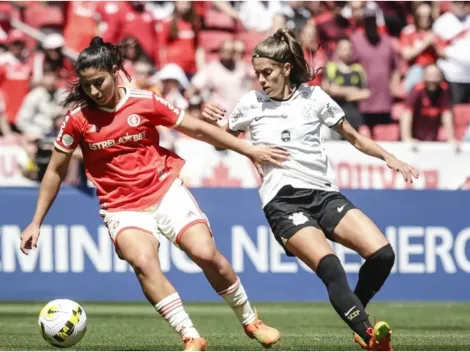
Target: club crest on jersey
(133,120)
(67,140)
(307,111)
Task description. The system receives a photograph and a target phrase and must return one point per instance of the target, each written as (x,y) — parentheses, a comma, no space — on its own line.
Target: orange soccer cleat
(265,335)
(195,344)
(380,338)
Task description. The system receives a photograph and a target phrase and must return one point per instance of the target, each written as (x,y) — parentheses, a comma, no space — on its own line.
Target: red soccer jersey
(121,150)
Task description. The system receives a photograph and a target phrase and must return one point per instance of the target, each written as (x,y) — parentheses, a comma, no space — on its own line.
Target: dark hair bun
(97,42)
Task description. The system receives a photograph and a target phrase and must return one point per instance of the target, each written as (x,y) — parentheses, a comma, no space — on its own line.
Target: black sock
(344,301)
(373,273)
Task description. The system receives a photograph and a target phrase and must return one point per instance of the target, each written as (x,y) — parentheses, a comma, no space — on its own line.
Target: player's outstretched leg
(197,243)
(309,244)
(140,250)
(357,232)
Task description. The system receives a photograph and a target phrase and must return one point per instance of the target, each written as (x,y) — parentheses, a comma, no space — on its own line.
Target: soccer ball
(62,322)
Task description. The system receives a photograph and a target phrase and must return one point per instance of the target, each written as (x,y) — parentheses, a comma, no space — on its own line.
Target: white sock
(236,298)
(171,309)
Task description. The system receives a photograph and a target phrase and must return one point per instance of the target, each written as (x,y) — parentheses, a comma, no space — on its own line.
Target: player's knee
(386,256)
(143,261)
(331,272)
(205,255)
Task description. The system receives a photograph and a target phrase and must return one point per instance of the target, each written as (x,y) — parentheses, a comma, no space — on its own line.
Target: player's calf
(373,273)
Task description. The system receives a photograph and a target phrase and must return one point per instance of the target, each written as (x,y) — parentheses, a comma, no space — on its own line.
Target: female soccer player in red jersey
(302,202)
(138,187)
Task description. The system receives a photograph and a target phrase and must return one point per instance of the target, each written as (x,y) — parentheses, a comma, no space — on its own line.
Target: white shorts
(171,217)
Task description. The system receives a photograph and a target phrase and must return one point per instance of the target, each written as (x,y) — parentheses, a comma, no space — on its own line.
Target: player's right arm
(55,174)
(65,144)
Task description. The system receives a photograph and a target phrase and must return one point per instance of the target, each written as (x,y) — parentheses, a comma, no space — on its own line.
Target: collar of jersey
(294,94)
(121,102)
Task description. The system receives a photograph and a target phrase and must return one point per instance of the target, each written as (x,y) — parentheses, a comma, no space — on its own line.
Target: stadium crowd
(400,70)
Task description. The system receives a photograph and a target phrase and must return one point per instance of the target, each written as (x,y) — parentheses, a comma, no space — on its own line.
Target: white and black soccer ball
(62,322)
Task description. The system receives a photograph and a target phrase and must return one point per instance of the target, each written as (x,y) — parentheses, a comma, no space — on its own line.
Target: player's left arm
(164,114)
(211,134)
(369,147)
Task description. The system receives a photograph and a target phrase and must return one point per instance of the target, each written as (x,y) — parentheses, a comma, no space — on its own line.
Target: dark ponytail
(99,55)
(283,47)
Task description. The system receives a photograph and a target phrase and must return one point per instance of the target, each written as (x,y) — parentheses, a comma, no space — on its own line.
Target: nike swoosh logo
(340,209)
(349,311)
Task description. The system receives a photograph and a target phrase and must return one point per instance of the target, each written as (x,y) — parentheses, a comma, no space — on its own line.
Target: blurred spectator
(346,83)
(223,81)
(178,39)
(354,11)
(195,106)
(315,55)
(161,10)
(173,83)
(300,14)
(41,106)
(427,106)
(419,45)
(5,129)
(81,25)
(454,28)
(15,73)
(239,50)
(332,26)
(375,53)
(144,76)
(259,16)
(133,53)
(53,58)
(395,15)
(129,20)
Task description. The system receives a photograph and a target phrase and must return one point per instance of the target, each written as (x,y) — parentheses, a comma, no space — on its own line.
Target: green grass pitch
(304,326)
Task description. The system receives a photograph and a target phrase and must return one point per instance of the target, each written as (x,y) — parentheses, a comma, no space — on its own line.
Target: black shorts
(292,209)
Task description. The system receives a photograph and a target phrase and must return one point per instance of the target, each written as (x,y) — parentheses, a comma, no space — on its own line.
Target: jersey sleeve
(329,112)
(69,136)
(240,118)
(165,114)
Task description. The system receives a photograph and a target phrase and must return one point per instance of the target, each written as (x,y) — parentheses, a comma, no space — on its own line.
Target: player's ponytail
(99,55)
(283,47)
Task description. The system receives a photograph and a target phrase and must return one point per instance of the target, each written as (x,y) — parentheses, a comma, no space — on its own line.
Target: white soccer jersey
(294,125)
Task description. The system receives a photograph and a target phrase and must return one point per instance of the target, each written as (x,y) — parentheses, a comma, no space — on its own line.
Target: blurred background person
(428,106)
(383,74)
(346,82)
(223,80)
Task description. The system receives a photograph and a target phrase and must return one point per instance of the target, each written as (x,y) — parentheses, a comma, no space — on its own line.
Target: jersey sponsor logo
(340,209)
(116,141)
(167,104)
(330,110)
(93,128)
(298,218)
(61,132)
(133,120)
(67,140)
(285,136)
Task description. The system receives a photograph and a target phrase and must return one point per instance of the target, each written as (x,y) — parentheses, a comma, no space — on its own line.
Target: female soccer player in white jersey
(301,202)
(138,186)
